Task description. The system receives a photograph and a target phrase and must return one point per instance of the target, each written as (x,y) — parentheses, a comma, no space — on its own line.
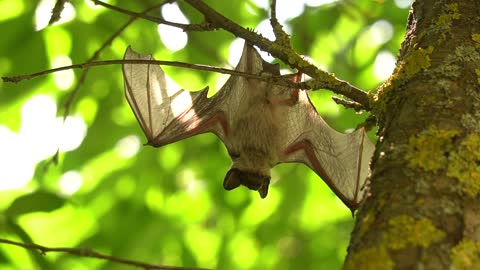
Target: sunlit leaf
(39,201)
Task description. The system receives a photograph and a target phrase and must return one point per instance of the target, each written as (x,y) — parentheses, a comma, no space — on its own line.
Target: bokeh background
(167,206)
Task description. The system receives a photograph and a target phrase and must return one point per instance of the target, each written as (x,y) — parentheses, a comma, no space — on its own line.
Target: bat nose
(254,181)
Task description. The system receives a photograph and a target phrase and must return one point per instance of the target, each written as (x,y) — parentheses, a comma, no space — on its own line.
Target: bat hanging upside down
(261,125)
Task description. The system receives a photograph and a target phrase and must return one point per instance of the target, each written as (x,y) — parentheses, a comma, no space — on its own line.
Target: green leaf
(3,258)
(38,201)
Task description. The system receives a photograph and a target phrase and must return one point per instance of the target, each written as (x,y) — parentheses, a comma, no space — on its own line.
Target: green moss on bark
(366,222)
(451,13)
(374,258)
(428,150)
(417,60)
(407,231)
(464,164)
(476,38)
(466,255)
(433,150)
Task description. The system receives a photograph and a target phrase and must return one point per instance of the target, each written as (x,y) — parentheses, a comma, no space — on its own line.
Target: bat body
(260,124)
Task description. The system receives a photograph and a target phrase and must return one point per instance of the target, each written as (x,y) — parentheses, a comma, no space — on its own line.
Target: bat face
(252,180)
(261,125)
(251,171)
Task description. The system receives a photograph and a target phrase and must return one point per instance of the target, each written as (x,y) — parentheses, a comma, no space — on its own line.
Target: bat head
(252,180)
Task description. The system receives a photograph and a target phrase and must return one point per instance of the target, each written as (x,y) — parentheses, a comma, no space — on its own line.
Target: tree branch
(57,11)
(280,49)
(321,79)
(279,80)
(348,103)
(82,252)
(95,56)
(184,27)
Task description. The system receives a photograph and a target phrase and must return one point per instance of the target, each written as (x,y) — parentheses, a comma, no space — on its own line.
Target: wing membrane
(342,160)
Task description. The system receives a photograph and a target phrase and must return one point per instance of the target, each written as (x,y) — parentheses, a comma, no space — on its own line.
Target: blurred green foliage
(167,205)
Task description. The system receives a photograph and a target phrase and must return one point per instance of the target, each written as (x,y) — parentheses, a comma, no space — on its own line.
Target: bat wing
(341,160)
(168,115)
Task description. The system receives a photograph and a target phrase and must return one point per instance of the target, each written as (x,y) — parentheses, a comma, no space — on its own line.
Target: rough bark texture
(424,208)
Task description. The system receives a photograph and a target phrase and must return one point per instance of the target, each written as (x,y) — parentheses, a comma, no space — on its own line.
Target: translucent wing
(341,160)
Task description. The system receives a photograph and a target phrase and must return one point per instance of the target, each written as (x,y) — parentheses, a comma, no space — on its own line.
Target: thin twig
(70,98)
(348,103)
(321,79)
(95,56)
(184,27)
(279,80)
(281,37)
(273,10)
(93,254)
(57,11)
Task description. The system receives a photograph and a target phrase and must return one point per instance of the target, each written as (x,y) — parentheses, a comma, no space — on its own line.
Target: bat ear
(232,179)
(252,62)
(273,69)
(263,190)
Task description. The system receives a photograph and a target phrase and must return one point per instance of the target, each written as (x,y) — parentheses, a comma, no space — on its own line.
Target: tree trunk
(423,211)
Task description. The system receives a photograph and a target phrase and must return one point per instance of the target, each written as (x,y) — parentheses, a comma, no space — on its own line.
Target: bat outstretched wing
(341,160)
(168,115)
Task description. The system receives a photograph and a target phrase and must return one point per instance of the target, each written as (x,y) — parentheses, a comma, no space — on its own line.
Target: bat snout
(251,180)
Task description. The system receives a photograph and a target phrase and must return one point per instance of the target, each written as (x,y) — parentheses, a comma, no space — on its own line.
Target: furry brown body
(255,143)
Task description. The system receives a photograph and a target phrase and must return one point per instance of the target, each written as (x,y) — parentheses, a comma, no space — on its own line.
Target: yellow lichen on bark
(476,38)
(366,222)
(405,230)
(284,40)
(417,60)
(414,62)
(294,58)
(374,258)
(466,255)
(433,149)
(477,71)
(464,164)
(451,14)
(385,95)
(428,150)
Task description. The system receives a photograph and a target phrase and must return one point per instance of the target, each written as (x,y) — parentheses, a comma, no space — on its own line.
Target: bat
(260,123)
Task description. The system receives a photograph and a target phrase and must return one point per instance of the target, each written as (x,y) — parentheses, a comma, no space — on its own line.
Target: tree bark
(423,211)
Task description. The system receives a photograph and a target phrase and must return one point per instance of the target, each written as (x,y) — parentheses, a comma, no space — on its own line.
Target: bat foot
(251,180)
